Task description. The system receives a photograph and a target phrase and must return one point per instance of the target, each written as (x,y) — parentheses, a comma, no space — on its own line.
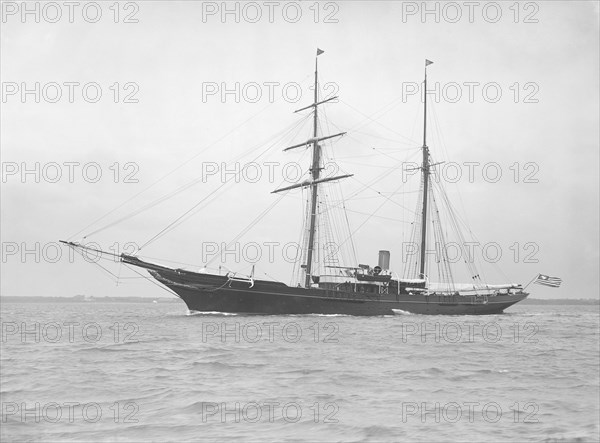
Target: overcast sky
(517,93)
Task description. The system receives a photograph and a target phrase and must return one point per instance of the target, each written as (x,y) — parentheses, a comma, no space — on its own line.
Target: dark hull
(279,303)
(217,293)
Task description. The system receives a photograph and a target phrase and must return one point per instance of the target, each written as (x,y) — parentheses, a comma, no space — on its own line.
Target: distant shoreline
(85,299)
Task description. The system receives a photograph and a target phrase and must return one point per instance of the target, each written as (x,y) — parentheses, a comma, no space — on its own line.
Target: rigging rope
(277,137)
(250,226)
(172,171)
(190,212)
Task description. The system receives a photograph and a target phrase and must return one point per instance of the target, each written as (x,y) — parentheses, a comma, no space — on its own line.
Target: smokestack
(384,260)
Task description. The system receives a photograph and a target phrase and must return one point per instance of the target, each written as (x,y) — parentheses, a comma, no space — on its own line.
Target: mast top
(427,63)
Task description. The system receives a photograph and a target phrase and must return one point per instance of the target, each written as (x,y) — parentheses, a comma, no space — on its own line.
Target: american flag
(546,280)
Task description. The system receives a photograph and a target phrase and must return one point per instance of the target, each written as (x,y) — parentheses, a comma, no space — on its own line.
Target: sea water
(156,372)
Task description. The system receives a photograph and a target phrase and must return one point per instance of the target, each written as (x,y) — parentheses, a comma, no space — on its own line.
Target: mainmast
(425,169)
(315,172)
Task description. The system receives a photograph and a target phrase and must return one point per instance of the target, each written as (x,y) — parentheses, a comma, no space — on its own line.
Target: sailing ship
(359,290)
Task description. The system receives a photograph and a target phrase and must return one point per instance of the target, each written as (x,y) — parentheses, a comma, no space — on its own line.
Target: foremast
(315,173)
